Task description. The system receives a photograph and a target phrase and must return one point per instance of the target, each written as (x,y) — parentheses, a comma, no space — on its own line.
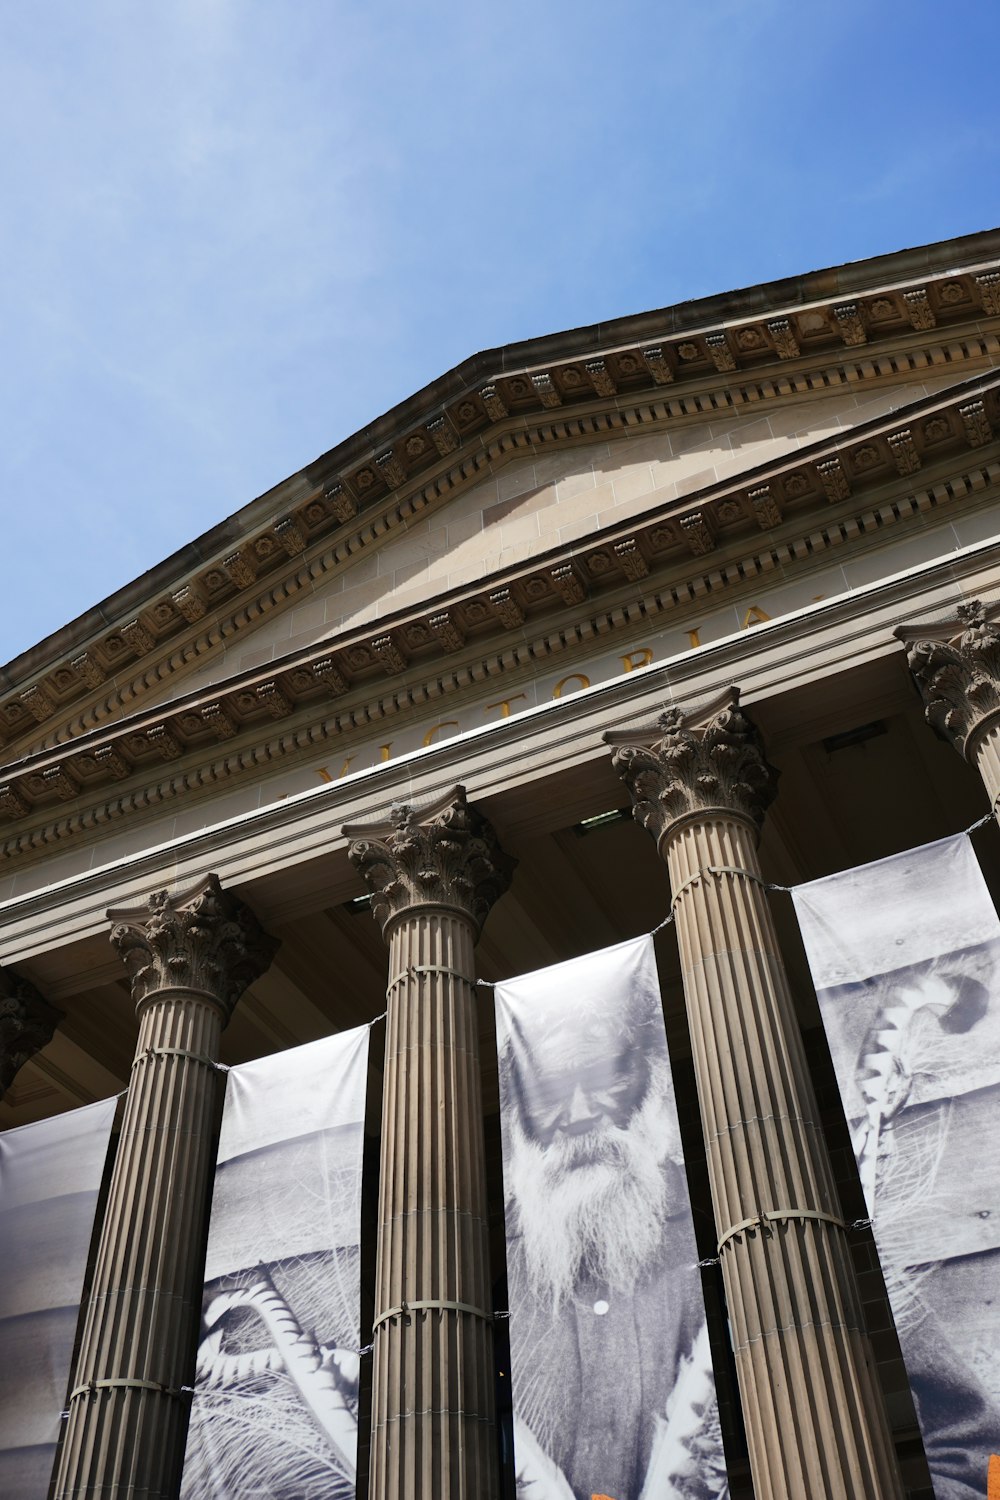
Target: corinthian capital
(706,760)
(443,855)
(956,664)
(27,1022)
(203,939)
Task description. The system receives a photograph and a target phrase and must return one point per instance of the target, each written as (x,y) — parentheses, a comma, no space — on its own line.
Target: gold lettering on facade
(444,724)
(385,752)
(640,657)
(323,773)
(348,762)
(504,705)
(754,616)
(693,637)
(580,677)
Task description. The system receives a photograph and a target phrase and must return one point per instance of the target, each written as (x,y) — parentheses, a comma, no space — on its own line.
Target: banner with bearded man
(611,1375)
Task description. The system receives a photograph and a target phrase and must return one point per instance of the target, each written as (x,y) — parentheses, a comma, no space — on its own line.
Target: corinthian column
(189,958)
(434,875)
(956,665)
(815,1421)
(27,1024)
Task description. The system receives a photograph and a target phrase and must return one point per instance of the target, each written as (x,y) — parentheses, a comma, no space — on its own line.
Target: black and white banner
(275,1407)
(905,957)
(50,1181)
(611,1377)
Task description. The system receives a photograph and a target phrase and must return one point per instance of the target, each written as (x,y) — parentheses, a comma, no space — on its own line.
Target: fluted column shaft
(815,1419)
(988,761)
(127,1413)
(813,1412)
(433,1418)
(433,877)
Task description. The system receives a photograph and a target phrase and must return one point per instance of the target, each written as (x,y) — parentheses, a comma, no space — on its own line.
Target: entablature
(846,492)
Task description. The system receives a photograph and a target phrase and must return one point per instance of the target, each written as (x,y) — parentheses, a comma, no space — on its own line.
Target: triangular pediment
(492,503)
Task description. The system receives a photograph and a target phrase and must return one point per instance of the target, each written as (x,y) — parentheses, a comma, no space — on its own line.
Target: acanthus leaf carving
(658,365)
(702,761)
(445,855)
(202,939)
(956,666)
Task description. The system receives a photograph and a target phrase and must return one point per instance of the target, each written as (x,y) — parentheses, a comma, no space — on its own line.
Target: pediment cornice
(875,320)
(834,493)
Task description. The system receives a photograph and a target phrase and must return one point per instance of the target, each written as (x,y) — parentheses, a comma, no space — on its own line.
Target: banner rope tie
(430,1304)
(91,1387)
(419,971)
(198,1057)
(767,1217)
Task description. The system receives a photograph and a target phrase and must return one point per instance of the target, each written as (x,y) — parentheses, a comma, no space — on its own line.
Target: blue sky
(233,231)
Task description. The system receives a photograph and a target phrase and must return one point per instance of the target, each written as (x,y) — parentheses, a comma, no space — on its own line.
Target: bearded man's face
(591,1168)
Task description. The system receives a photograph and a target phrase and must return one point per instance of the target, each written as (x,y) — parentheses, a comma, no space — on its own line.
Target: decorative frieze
(720,353)
(904,451)
(506,608)
(11,802)
(697,533)
(388,654)
(58,779)
(38,702)
(850,323)
(989,289)
(496,407)
(918,308)
(138,637)
(546,390)
(444,627)
(975,423)
(833,478)
(289,534)
(783,337)
(190,601)
(443,435)
(88,669)
(273,699)
(329,674)
(658,365)
(601,378)
(391,468)
(631,560)
(162,738)
(343,504)
(219,719)
(109,758)
(241,568)
(765,507)
(566,582)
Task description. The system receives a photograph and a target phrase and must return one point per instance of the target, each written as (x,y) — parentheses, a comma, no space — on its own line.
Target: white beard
(595,1204)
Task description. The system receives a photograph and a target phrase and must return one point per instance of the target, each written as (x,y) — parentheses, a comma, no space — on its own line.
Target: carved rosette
(203,939)
(709,759)
(27,1023)
(956,666)
(443,855)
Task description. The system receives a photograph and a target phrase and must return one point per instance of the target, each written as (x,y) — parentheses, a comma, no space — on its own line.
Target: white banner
(905,957)
(611,1377)
(50,1180)
(275,1407)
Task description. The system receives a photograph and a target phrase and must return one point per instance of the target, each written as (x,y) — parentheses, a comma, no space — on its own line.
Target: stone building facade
(560,577)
